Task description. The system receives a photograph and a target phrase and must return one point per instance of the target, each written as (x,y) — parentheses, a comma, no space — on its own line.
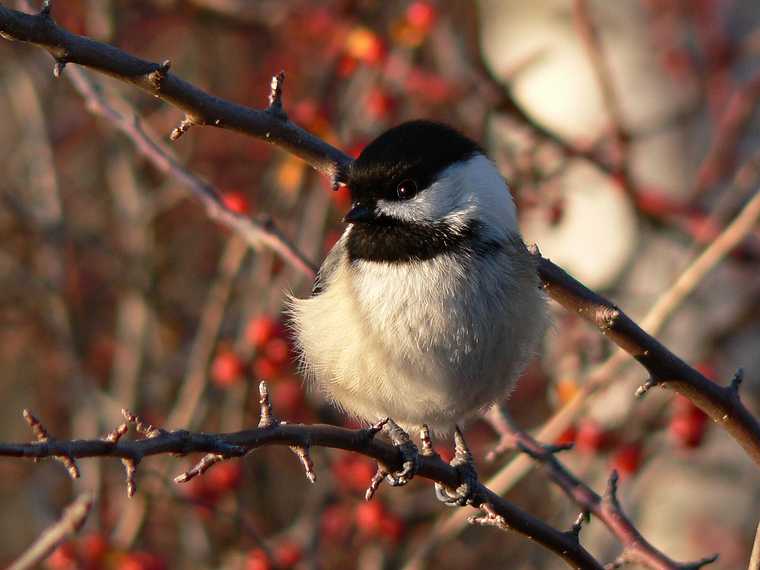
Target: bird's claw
(409,452)
(464,494)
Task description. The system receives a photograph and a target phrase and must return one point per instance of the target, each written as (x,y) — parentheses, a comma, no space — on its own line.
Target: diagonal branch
(607,509)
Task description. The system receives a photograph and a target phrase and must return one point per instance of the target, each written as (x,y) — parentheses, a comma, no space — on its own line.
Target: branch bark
(299,437)
(722,404)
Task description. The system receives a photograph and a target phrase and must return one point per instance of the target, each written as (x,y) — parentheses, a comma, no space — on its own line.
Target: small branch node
(41,435)
(575,530)
(488,517)
(47,8)
(159,74)
(266,418)
(374,429)
(116,434)
(275,96)
(130,466)
(736,382)
(183,127)
(39,431)
(308,463)
(58,68)
(142,427)
(427,443)
(642,390)
(610,495)
(701,563)
(199,468)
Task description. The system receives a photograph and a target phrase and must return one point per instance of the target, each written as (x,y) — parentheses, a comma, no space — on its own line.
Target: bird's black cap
(417,150)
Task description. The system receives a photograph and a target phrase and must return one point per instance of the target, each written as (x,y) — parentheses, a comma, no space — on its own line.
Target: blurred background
(629,135)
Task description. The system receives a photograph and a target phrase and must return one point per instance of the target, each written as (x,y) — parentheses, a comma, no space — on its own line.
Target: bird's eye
(406,189)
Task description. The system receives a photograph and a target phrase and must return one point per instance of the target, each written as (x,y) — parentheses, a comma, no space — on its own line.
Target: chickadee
(428,307)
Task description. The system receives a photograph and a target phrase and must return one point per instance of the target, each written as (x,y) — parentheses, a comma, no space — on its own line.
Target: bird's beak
(359,213)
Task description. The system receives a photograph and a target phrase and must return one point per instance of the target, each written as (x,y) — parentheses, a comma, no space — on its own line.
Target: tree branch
(722,404)
(217,447)
(71,521)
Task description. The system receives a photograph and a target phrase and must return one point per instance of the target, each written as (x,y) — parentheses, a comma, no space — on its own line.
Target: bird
(428,307)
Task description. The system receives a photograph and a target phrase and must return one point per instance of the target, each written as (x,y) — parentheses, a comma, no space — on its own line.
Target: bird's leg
(463,463)
(403,442)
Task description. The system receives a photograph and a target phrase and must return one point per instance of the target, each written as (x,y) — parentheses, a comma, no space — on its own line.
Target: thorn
(159,74)
(612,489)
(275,96)
(427,443)
(701,563)
(183,127)
(462,454)
(199,468)
(375,482)
(142,427)
(488,517)
(47,7)
(130,465)
(42,436)
(165,66)
(736,381)
(58,68)
(375,428)
(308,464)
(38,429)
(575,530)
(115,435)
(555,448)
(645,387)
(266,419)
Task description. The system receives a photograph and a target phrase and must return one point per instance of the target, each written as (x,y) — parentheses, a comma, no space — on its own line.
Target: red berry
(336,523)
(590,437)
(688,423)
(364,45)
(236,201)
(369,516)
(63,558)
(141,561)
(627,459)
(379,104)
(94,547)
(277,350)
(288,397)
(265,369)
(392,527)
(260,330)
(225,476)
(567,436)
(257,559)
(226,368)
(421,15)
(288,554)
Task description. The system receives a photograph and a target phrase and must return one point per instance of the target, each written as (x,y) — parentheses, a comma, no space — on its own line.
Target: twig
(607,509)
(199,107)
(754,560)
(71,521)
(181,442)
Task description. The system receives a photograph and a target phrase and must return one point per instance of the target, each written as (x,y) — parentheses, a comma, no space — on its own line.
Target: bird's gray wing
(328,268)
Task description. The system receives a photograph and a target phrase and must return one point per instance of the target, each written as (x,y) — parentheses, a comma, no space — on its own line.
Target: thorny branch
(722,404)
(217,447)
(636,549)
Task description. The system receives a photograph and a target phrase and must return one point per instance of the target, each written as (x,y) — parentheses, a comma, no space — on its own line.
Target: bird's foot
(465,467)
(409,454)
(403,442)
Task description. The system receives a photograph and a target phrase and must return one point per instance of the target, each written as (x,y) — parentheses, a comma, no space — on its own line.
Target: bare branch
(607,508)
(161,442)
(71,521)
